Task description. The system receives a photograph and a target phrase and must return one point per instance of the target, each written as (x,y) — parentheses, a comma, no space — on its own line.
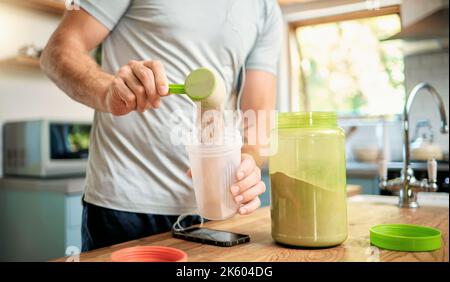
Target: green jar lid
(405,237)
(306,119)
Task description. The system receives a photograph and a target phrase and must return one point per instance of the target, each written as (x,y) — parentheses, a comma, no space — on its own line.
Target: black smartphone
(211,236)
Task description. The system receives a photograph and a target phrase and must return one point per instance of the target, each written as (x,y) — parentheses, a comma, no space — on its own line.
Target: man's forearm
(259,96)
(261,139)
(76,73)
(256,134)
(254,152)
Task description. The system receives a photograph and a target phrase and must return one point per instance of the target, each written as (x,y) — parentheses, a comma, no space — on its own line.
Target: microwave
(45,148)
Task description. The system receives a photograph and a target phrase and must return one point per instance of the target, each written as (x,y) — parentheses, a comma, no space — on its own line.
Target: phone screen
(211,236)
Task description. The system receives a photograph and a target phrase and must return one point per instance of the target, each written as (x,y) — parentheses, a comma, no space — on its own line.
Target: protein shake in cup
(213,172)
(215,150)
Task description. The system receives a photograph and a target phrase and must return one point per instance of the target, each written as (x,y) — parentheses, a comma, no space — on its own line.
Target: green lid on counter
(405,237)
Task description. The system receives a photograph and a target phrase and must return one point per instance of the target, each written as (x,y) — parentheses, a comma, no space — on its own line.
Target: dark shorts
(103,227)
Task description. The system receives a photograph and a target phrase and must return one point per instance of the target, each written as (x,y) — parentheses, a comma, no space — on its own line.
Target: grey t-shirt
(133,165)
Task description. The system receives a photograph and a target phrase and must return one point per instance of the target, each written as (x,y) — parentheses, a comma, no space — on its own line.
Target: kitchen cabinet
(39,218)
(364,175)
(364,211)
(369,184)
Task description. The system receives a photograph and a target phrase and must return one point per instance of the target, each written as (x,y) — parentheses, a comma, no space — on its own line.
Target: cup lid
(405,237)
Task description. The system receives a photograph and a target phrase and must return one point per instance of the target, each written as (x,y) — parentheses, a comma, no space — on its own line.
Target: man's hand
(137,86)
(249,186)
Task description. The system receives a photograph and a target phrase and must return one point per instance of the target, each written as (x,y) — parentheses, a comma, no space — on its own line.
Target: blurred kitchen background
(359,58)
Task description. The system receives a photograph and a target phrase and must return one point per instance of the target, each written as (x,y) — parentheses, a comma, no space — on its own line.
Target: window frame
(298,100)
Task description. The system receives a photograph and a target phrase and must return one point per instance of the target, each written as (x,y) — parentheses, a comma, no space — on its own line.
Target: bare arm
(136,86)
(67,62)
(259,95)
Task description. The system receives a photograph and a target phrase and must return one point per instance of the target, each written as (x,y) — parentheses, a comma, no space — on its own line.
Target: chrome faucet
(407,185)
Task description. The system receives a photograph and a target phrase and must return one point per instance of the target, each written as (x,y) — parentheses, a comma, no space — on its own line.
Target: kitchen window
(344,64)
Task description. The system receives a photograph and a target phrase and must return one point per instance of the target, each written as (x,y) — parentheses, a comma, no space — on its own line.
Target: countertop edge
(69,186)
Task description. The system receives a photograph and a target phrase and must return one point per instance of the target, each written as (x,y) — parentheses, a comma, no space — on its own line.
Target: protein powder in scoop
(205,86)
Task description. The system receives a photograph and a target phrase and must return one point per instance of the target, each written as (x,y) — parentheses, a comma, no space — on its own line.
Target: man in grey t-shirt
(136,182)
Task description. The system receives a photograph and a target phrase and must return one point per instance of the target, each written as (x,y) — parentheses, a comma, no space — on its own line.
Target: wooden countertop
(363,212)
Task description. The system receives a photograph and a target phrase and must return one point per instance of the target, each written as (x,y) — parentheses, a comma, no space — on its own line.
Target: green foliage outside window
(347,67)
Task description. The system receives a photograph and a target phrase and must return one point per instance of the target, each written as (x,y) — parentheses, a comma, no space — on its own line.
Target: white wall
(413,10)
(431,67)
(27,93)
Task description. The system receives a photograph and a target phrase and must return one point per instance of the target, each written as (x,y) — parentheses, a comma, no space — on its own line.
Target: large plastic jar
(308,180)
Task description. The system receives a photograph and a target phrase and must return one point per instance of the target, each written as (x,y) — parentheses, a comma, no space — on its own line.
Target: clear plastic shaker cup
(213,172)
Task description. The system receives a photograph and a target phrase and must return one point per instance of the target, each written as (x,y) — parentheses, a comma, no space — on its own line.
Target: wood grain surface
(362,215)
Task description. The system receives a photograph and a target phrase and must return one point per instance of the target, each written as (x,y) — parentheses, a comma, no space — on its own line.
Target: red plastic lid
(149,254)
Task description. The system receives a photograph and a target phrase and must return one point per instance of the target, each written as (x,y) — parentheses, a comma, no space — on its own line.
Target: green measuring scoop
(199,85)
